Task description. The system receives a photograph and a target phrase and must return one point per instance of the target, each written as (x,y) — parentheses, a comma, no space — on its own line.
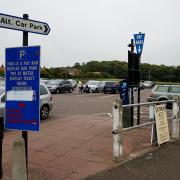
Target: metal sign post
(139,42)
(131,92)
(22,78)
(25,133)
(22,90)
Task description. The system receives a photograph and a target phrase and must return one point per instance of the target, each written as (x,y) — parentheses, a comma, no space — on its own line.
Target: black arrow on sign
(46,29)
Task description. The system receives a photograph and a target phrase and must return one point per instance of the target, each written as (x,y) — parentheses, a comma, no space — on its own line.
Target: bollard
(19,171)
(153,130)
(117,129)
(176,118)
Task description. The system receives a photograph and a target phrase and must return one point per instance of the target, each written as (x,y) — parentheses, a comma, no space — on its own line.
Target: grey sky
(85,30)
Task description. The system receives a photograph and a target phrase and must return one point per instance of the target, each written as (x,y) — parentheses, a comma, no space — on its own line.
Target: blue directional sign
(22,88)
(139,41)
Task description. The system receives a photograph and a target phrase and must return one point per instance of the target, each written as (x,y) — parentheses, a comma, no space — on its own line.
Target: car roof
(110,81)
(168,85)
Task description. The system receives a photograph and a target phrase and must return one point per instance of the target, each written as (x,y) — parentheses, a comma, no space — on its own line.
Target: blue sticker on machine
(124,94)
(22,88)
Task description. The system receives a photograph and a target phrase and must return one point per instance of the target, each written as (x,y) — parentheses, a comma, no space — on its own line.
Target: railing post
(176,117)
(151,113)
(117,130)
(153,129)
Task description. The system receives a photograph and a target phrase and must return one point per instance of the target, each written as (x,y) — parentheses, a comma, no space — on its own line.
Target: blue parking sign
(22,88)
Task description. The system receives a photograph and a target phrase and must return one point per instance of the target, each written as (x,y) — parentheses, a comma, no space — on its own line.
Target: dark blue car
(111,87)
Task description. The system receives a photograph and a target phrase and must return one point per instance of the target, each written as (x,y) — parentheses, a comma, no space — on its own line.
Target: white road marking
(109,114)
(98,114)
(107,96)
(83,94)
(135,117)
(144,116)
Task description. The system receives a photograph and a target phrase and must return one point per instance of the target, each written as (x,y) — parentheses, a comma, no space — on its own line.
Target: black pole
(1,142)
(25,133)
(132,90)
(138,110)
(132,108)
(132,45)
(139,93)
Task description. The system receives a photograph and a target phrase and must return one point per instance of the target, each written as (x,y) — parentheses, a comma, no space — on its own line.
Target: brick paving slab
(73,147)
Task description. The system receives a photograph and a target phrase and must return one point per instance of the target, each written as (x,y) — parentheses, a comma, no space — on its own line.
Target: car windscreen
(53,82)
(2,91)
(162,89)
(93,83)
(148,82)
(43,90)
(175,89)
(109,83)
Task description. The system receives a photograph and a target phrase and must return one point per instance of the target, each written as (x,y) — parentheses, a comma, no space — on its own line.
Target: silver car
(164,92)
(93,85)
(46,102)
(149,84)
(101,86)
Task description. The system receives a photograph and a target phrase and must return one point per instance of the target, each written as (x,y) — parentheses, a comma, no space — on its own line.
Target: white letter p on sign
(21,54)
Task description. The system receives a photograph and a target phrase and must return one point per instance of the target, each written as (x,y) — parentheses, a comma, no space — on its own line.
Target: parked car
(164,92)
(59,86)
(44,81)
(92,85)
(46,102)
(111,87)
(73,82)
(101,86)
(142,86)
(149,84)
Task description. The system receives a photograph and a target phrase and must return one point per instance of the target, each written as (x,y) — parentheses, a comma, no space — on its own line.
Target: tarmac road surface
(161,164)
(66,104)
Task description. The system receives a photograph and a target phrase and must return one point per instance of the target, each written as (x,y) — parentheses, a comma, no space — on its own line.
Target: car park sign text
(22,88)
(17,23)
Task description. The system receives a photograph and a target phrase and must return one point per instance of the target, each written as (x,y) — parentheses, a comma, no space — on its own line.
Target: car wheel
(168,105)
(57,91)
(44,112)
(97,90)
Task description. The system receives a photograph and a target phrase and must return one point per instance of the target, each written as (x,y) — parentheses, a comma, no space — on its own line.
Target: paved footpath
(161,164)
(73,148)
